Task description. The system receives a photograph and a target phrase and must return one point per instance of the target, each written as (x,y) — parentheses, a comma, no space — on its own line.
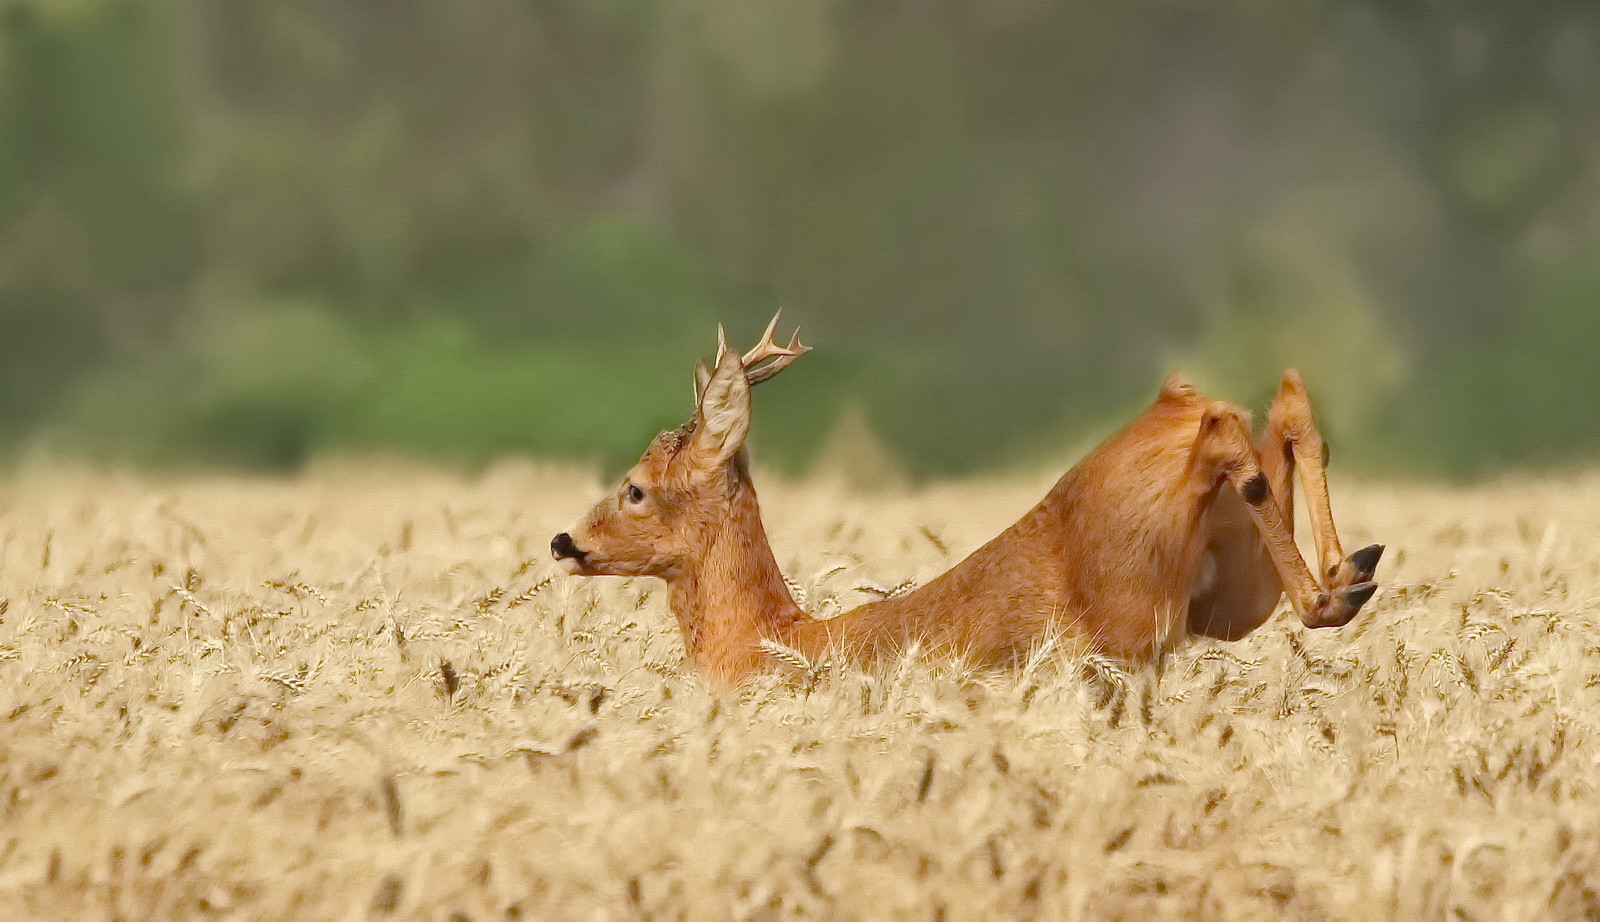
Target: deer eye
(634,494)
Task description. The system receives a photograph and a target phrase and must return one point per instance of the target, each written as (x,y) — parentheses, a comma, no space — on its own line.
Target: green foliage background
(248,231)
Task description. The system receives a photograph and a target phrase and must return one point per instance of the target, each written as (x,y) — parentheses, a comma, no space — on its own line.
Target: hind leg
(1223,456)
(1238,588)
(1293,442)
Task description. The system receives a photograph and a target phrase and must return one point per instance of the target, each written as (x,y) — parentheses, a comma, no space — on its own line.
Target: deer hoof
(1365,562)
(1357,568)
(1357,595)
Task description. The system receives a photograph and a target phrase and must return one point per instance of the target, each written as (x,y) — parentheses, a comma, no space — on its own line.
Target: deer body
(1107,557)
(1177,524)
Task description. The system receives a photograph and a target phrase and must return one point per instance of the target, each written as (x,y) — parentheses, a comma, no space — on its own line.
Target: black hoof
(1357,595)
(1366,561)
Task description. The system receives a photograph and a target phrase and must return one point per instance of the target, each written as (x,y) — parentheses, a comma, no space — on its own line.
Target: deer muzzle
(568,553)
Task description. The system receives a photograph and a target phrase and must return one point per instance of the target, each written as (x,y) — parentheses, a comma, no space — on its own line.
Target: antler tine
(785,358)
(782,356)
(765,349)
(754,355)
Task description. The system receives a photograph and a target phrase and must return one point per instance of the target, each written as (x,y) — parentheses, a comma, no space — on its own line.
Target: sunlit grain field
(367,693)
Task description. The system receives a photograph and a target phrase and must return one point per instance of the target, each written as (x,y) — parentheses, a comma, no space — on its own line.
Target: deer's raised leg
(1294,440)
(1223,452)
(1243,589)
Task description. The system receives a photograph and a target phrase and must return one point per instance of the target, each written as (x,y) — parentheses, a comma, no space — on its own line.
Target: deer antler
(754,372)
(782,356)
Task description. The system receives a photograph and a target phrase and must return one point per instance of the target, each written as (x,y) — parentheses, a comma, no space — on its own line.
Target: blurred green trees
(251,230)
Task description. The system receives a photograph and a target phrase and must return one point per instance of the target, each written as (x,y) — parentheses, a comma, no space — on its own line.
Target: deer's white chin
(573,566)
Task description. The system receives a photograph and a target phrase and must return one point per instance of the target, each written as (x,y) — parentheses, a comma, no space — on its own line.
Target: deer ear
(702,377)
(723,419)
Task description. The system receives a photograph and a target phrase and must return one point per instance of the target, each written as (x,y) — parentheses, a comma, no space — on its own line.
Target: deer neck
(734,595)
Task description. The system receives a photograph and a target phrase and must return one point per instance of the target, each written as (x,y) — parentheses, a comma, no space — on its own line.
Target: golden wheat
(366,693)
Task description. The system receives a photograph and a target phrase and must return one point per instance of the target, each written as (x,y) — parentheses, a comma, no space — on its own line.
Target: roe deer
(1177,525)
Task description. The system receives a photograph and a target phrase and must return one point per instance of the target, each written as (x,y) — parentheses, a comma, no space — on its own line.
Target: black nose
(562,547)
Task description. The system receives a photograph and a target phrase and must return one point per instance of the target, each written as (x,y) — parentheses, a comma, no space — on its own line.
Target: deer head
(668,509)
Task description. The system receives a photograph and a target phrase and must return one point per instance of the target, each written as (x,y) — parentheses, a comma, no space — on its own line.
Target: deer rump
(1179,524)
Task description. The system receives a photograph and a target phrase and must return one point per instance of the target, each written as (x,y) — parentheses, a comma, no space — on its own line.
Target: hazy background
(249,231)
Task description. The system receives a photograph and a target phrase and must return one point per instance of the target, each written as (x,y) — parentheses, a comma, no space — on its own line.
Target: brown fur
(1148,539)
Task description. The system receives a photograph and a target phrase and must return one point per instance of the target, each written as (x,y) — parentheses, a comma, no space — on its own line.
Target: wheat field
(366,692)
